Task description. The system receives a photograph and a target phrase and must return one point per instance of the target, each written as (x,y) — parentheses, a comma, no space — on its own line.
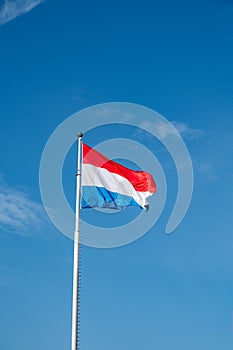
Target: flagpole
(75,303)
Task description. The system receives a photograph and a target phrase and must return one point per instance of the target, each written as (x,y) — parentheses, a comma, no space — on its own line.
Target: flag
(108,184)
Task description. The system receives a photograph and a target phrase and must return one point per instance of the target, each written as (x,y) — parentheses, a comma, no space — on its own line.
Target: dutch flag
(107,184)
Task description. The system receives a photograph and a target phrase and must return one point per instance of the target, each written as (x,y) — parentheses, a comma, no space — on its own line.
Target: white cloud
(14,8)
(18,213)
(205,169)
(165,130)
(186,131)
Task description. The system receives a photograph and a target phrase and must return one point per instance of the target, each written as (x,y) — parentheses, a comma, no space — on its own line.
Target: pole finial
(80,134)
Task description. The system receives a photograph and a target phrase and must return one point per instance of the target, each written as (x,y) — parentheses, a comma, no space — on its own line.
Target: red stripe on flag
(141,180)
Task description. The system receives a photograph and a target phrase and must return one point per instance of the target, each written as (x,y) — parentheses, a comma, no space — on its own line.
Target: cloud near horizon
(12,9)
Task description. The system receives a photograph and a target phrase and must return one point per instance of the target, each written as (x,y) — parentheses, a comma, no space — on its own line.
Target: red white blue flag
(108,184)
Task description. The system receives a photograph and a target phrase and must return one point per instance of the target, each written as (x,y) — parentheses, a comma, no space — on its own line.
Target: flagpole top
(80,134)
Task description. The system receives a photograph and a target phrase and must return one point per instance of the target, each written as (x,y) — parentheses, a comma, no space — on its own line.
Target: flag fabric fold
(108,184)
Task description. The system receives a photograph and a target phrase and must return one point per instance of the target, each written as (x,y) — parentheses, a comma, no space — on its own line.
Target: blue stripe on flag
(93,197)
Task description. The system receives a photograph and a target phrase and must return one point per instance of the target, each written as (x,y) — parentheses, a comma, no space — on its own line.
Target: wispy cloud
(186,131)
(15,8)
(164,130)
(205,168)
(18,213)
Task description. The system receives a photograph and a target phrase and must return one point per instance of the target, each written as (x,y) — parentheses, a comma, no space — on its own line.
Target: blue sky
(162,291)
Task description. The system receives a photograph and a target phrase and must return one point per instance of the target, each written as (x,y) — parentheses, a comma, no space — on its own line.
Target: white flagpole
(74,342)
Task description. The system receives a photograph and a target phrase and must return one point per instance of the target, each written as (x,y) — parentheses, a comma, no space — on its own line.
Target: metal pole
(74,345)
